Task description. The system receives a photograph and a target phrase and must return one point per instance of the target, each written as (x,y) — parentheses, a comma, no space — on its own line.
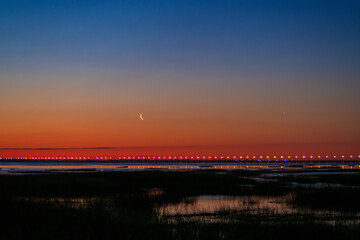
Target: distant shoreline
(175,161)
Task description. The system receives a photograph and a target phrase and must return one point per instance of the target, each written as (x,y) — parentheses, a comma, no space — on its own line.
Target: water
(270,209)
(308,197)
(219,208)
(38,167)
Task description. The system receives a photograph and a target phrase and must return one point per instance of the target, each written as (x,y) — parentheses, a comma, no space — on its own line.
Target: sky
(215,77)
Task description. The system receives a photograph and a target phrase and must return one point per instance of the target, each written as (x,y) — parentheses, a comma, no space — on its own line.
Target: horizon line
(183,146)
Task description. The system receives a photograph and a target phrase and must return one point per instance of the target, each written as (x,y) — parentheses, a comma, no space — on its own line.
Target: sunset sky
(229,77)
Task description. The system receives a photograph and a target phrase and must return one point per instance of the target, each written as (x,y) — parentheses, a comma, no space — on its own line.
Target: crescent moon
(141,117)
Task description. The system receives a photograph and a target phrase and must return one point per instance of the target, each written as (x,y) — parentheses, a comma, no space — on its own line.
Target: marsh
(207,204)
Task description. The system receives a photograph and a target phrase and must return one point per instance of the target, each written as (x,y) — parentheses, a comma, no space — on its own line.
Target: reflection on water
(266,179)
(219,208)
(29,167)
(211,208)
(219,204)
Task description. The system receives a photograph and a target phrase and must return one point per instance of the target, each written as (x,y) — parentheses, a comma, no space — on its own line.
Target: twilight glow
(210,78)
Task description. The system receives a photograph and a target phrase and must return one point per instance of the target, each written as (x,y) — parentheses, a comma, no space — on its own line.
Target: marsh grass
(124,206)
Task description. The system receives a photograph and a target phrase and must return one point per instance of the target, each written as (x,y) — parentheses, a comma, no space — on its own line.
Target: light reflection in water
(53,167)
(219,208)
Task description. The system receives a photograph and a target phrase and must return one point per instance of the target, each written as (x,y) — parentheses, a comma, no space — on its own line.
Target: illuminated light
(296,156)
(304,156)
(260,156)
(334,156)
(242,157)
(254,157)
(274,156)
(342,156)
(216,157)
(247,156)
(289,156)
(351,156)
(311,156)
(281,156)
(234,157)
(319,156)
(197,157)
(267,157)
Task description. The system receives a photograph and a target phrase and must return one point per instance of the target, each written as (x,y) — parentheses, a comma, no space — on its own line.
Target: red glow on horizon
(235,158)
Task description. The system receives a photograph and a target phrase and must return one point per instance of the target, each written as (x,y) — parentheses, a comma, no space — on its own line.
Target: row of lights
(297,157)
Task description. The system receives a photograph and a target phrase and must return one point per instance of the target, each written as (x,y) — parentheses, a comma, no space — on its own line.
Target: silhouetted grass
(343,199)
(122,206)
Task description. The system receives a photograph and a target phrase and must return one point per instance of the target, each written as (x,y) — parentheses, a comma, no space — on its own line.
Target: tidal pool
(220,208)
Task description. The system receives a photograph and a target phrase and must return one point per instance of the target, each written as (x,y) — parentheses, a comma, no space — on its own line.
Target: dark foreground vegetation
(124,205)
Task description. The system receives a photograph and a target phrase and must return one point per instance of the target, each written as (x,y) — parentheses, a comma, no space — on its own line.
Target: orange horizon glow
(327,151)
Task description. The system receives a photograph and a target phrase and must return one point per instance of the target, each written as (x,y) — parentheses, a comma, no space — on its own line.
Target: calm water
(53,167)
(250,208)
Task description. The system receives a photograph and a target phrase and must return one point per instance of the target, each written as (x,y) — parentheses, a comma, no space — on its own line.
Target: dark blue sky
(268,36)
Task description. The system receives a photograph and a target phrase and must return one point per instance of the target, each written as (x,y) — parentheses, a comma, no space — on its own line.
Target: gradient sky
(77,74)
